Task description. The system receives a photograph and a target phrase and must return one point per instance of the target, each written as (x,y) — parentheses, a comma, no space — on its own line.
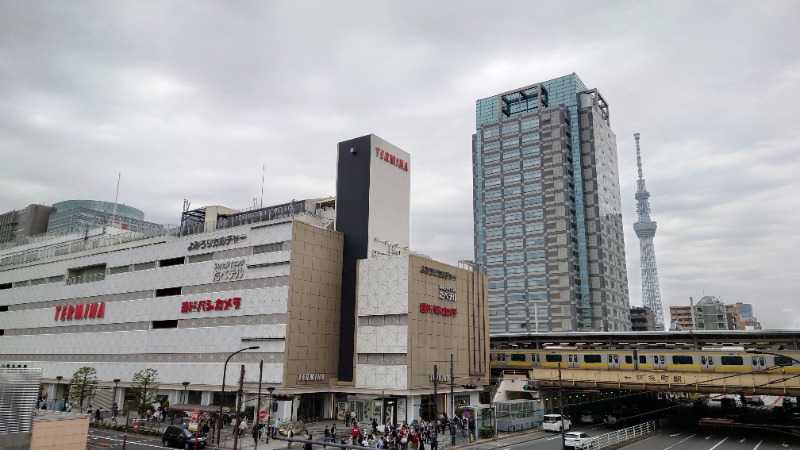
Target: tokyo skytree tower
(645,231)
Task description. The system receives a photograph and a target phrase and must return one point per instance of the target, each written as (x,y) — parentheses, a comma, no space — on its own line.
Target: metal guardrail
(618,437)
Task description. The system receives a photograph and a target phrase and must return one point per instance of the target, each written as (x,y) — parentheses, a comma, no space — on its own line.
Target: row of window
(510,217)
(516,190)
(98,272)
(508,154)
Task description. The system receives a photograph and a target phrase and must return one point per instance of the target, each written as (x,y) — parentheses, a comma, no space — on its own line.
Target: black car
(182,437)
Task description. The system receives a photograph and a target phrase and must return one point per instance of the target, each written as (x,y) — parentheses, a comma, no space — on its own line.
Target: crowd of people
(417,435)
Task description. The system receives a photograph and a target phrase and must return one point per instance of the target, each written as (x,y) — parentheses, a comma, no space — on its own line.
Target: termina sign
(311,377)
(437,273)
(391,159)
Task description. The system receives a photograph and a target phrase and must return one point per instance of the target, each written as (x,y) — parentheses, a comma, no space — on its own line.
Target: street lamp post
(58,388)
(222,399)
(269,411)
(185,384)
(114,401)
(561,408)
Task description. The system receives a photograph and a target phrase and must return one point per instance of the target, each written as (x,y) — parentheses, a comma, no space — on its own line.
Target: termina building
(547,210)
(344,316)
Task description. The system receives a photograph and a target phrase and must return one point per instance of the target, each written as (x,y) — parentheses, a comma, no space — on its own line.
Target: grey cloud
(189,100)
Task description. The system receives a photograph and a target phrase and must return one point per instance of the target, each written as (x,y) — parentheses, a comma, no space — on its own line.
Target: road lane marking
(130,441)
(673,435)
(759,443)
(743,439)
(720,442)
(709,436)
(673,445)
(554,437)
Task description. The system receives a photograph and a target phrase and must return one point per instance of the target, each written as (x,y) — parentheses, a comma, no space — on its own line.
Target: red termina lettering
(58,311)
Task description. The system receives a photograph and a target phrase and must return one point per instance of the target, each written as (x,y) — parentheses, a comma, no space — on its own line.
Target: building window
(161,324)
(267,248)
(172,262)
(168,292)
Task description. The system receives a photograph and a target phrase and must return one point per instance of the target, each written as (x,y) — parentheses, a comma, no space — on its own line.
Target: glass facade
(530,212)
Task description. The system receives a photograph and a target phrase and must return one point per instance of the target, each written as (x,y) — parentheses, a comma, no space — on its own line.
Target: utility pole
(435,399)
(452,405)
(561,409)
(258,402)
(238,406)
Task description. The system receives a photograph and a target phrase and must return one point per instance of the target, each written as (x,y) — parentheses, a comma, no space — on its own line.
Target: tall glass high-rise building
(548,214)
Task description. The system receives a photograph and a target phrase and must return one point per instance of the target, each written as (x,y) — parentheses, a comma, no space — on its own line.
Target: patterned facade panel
(377,321)
(383,286)
(381,376)
(393,359)
(385,339)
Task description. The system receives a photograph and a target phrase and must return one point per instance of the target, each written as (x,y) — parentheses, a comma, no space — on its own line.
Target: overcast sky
(189,99)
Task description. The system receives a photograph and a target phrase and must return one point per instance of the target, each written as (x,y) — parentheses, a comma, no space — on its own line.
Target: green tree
(83,385)
(143,390)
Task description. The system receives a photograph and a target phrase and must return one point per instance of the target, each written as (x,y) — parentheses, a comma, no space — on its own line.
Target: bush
(486,432)
(249,411)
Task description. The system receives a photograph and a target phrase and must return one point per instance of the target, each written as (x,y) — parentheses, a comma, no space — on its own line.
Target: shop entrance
(311,406)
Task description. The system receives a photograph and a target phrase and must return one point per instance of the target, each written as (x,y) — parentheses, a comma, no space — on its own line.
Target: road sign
(466,415)
(192,426)
(262,414)
(195,415)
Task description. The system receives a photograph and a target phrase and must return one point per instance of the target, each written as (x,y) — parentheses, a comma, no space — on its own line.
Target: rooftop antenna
(262,184)
(116,197)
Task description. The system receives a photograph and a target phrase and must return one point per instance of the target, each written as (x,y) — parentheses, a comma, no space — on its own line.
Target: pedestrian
(327,436)
(333,432)
(275,428)
(243,427)
(434,442)
(290,435)
(97,417)
(256,433)
(307,445)
(346,418)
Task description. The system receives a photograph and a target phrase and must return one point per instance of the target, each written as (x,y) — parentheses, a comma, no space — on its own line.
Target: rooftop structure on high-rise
(547,210)
(645,230)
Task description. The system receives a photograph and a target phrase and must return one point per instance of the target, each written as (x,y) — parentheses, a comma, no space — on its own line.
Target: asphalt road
(717,440)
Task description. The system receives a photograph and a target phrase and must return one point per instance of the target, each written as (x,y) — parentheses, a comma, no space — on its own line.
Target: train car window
(610,360)
(761,361)
(616,359)
(592,358)
(755,360)
(570,358)
(710,360)
(628,359)
(661,359)
(682,359)
(783,361)
(642,359)
(731,360)
(518,357)
(703,359)
(552,358)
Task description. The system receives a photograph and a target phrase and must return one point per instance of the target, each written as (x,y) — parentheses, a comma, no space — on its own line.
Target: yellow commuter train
(705,360)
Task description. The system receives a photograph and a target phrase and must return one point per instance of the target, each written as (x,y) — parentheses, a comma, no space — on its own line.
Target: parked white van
(554,422)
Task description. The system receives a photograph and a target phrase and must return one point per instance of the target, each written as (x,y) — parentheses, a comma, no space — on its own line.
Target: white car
(577,439)
(555,422)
